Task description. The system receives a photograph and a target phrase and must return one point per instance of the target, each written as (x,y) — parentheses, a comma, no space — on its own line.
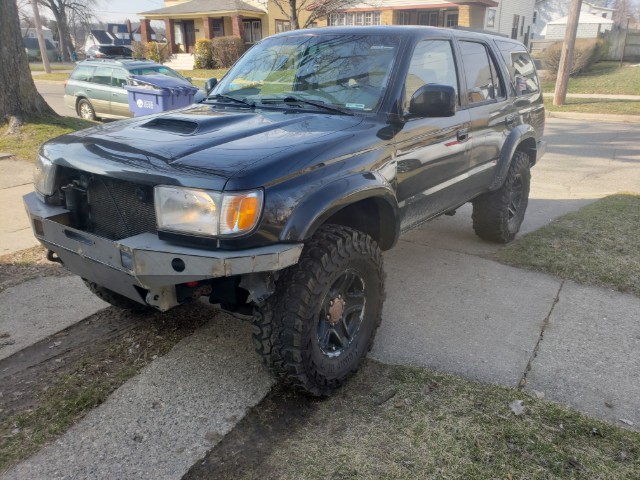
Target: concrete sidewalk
(449,307)
(16,180)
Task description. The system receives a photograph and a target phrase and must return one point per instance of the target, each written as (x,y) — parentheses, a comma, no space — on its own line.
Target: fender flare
(515,138)
(314,210)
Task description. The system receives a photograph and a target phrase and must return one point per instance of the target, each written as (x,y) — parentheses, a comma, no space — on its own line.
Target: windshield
(157,70)
(347,71)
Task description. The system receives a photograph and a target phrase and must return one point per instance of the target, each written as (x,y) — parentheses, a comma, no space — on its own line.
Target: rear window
(83,73)
(524,80)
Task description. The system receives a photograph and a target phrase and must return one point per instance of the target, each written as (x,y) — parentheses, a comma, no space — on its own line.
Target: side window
(482,79)
(432,62)
(102,75)
(83,73)
(119,78)
(522,71)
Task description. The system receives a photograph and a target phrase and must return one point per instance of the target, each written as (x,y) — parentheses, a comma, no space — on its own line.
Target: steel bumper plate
(144,261)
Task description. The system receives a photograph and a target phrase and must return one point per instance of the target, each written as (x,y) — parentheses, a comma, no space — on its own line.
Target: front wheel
(86,110)
(497,215)
(319,325)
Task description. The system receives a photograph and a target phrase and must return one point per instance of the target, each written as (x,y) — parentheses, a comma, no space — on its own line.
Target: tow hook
(53,257)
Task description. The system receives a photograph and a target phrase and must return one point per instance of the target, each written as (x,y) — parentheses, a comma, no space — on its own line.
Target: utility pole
(41,42)
(566,60)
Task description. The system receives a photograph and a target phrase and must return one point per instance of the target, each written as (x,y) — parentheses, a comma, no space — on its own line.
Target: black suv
(276,196)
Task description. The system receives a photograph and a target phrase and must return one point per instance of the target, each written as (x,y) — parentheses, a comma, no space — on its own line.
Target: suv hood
(184,144)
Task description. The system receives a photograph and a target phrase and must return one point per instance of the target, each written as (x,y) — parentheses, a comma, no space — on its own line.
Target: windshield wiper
(291,99)
(219,96)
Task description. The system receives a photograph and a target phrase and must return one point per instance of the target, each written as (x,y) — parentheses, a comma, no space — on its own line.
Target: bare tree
(62,11)
(316,9)
(19,99)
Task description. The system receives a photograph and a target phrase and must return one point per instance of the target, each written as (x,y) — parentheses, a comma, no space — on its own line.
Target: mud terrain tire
(114,298)
(497,215)
(315,330)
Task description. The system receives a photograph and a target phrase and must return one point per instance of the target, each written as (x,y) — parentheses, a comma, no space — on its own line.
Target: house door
(189,36)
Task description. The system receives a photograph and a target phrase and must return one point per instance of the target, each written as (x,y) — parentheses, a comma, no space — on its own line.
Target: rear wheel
(86,110)
(114,298)
(497,215)
(319,325)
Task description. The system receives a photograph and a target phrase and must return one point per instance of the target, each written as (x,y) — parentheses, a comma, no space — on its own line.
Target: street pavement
(449,307)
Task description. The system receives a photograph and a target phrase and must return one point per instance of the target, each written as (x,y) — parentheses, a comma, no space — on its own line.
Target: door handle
(463,135)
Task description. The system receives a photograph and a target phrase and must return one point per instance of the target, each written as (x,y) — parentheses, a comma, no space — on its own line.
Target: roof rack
(479,30)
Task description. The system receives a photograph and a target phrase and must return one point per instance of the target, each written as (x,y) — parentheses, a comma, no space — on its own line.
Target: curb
(602,117)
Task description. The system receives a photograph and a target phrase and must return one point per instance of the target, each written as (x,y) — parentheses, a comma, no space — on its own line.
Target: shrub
(158,52)
(138,50)
(203,55)
(587,51)
(226,50)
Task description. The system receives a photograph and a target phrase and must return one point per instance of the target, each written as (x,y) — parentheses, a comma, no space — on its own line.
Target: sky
(117,10)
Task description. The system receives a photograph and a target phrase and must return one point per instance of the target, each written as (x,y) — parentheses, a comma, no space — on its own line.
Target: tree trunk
(64,33)
(293,16)
(19,99)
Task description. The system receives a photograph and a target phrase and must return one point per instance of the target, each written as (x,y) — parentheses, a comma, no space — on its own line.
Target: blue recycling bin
(158,93)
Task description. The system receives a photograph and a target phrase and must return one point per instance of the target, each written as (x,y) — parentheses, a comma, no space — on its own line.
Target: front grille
(119,209)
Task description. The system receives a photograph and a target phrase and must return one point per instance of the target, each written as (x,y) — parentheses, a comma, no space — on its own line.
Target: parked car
(276,195)
(32,47)
(109,51)
(95,88)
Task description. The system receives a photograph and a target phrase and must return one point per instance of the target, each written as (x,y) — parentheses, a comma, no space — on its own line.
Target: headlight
(44,175)
(205,212)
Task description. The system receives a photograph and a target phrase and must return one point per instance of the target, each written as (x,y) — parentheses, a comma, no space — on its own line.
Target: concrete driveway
(448,307)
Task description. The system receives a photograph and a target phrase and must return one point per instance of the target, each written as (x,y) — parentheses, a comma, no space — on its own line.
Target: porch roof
(416,4)
(204,7)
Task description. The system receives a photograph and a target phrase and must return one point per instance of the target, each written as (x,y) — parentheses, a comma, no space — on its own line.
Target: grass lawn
(55,76)
(26,143)
(204,74)
(603,77)
(595,105)
(37,67)
(394,422)
(597,245)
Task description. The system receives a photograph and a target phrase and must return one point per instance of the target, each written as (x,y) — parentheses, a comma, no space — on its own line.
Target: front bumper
(541,149)
(143,267)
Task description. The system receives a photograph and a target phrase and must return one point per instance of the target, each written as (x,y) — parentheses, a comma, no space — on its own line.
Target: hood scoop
(172,125)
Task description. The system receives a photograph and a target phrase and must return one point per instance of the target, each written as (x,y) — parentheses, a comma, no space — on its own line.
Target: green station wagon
(95,88)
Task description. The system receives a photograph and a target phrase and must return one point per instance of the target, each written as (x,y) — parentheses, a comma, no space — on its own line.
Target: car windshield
(347,71)
(157,69)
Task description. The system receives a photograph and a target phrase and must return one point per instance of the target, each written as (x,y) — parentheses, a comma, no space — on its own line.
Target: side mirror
(189,79)
(210,85)
(433,100)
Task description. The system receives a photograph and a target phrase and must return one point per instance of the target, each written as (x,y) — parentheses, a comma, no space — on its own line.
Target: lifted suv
(276,196)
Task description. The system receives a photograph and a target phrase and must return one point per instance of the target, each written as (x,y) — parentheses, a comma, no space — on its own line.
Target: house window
(403,17)
(514,26)
(218,28)
(491,18)
(252,31)
(283,26)
(451,19)
(522,26)
(428,18)
(535,16)
(357,18)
